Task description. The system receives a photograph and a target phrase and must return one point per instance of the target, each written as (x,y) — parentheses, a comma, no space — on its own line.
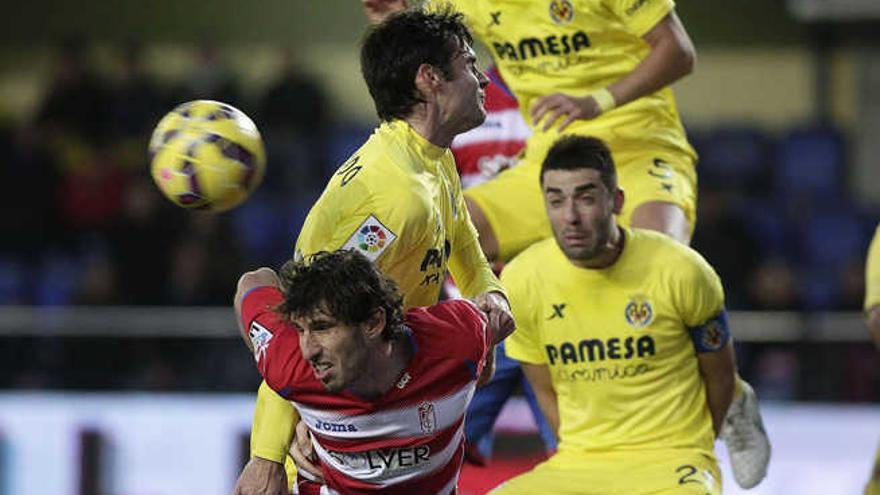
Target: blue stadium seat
(734,158)
(13,281)
(810,165)
(832,237)
(768,221)
(57,280)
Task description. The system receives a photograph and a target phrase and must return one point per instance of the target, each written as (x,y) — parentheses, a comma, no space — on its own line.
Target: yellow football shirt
(616,342)
(872,273)
(578,47)
(398,201)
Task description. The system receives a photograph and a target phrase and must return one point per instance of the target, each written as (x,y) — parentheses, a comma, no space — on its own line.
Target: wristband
(604,99)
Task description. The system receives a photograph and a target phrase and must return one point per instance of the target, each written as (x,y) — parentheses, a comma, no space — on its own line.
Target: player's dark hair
(392,52)
(577,152)
(344,284)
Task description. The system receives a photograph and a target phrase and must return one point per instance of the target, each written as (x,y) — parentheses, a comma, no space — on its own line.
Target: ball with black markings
(207,155)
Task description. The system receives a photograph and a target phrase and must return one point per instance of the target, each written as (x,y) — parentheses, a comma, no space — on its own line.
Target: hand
(874,325)
(501,322)
(261,477)
(558,105)
(303,454)
(488,368)
(378,10)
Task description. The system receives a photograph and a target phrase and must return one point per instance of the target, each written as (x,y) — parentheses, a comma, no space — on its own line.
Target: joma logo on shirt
(327,426)
(599,350)
(533,47)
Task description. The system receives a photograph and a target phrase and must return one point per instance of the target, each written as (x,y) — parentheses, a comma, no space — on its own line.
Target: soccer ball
(207,155)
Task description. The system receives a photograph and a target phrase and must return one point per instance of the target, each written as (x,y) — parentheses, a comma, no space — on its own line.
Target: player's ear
(375,324)
(428,79)
(618,201)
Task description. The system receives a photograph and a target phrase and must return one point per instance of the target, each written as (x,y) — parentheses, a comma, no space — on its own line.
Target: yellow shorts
(514,206)
(667,472)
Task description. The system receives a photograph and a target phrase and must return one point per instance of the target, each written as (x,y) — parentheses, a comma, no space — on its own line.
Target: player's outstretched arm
(251,280)
(378,10)
(873,320)
(261,477)
(274,417)
(719,373)
(672,57)
(538,376)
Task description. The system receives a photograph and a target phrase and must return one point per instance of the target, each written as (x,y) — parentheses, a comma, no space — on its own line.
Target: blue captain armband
(711,335)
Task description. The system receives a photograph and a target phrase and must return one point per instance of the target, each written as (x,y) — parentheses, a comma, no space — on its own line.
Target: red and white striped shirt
(411,440)
(482,152)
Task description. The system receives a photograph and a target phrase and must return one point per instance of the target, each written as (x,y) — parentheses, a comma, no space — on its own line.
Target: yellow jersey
(617,342)
(398,201)
(872,273)
(577,47)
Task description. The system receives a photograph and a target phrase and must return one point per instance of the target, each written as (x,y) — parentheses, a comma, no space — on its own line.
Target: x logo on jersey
(557,311)
(496,18)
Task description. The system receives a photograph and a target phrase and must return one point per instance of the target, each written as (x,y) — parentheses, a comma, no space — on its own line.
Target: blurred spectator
(142,239)
(209,79)
(29,188)
(773,286)
(294,117)
(295,102)
(137,100)
(205,262)
(77,101)
(723,239)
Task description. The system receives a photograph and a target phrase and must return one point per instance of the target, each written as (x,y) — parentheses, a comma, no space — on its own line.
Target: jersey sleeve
(699,297)
(872,273)
(466,333)
(524,344)
(467,263)
(275,342)
(640,16)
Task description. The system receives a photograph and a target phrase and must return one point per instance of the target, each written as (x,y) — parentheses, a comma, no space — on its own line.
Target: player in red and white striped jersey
(383,392)
(482,152)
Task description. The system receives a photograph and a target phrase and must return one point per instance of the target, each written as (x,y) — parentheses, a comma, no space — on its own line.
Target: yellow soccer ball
(207,155)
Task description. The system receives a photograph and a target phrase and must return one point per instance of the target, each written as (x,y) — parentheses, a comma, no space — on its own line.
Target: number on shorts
(689,471)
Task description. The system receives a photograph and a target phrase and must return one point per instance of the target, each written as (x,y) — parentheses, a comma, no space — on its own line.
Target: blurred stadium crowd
(86,226)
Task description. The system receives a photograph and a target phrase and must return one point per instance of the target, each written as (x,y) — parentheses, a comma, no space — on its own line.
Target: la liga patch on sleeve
(371,238)
(260,337)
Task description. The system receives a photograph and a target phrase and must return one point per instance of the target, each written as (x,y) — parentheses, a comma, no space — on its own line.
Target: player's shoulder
(672,256)
(534,257)
(446,324)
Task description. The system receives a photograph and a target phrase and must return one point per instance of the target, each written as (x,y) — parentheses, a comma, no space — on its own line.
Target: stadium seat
(57,280)
(810,165)
(832,237)
(13,281)
(768,221)
(734,158)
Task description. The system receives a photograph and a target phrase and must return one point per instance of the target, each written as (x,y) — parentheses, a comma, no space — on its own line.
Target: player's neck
(427,121)
(609,254)
(385,364)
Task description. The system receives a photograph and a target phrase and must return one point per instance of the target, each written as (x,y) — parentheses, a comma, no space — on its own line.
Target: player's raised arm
(672,57)
(378,10)
(251,280)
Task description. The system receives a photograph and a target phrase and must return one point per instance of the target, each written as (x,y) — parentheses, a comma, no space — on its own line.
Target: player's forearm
(873,321)
(672,57)
(472,272)
(538,377)
(274,421)
(719,374)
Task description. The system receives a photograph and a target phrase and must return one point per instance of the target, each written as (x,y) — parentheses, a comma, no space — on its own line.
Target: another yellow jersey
(872,273)
(398,201)
(577,47)
(617,342)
